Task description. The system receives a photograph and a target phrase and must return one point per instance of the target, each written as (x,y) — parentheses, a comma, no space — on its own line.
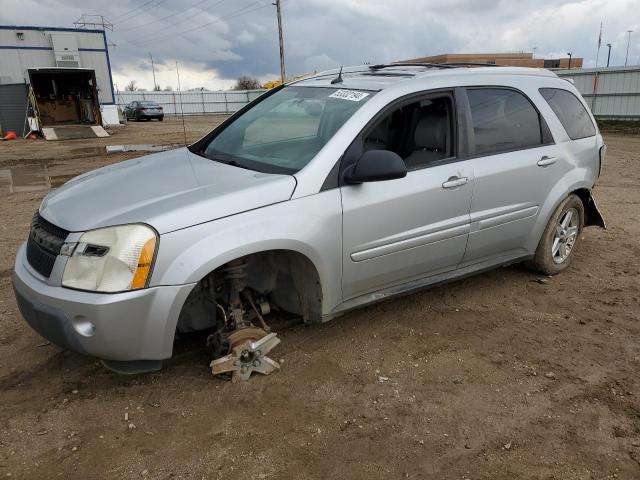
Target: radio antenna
(184,129)
(338,79)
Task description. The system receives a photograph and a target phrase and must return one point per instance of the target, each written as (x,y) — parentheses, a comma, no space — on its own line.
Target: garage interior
(66,96)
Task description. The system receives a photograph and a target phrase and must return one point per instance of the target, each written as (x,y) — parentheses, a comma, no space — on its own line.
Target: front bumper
(123,327)
(150,115)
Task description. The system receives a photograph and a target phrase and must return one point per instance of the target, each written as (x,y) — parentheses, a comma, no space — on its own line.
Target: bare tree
(156,88)
(131,86)
(247,83)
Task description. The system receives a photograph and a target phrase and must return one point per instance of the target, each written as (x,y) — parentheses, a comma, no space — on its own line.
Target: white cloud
(192,75)
(245,37)
(317,63)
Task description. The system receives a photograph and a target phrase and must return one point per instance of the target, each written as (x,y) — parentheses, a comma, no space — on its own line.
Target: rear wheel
(560,237)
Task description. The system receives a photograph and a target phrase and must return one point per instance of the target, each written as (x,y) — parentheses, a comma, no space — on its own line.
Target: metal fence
(612,93)
(192,102)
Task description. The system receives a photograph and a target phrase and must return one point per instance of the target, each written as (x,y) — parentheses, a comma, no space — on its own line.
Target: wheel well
(288,279)
(591,214)
(584,195)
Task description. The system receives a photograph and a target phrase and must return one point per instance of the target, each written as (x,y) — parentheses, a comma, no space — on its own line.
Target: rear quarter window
(570,111)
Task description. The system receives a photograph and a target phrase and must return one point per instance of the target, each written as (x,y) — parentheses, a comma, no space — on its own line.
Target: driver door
(396,231)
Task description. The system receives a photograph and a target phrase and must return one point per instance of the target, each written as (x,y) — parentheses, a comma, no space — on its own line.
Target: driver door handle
(546,161)
(455,182)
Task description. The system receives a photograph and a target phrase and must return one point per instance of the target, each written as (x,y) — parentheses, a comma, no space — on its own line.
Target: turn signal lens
(144,265)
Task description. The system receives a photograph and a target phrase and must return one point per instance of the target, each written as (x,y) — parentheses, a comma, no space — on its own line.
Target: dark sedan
(143,111)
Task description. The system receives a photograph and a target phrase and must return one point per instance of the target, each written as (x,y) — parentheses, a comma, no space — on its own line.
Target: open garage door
(65,102)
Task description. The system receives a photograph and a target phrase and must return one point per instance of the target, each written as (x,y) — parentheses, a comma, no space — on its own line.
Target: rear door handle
(455,182)
(546,161)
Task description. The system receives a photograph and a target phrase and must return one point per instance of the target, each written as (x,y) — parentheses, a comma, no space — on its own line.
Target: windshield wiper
(227,159)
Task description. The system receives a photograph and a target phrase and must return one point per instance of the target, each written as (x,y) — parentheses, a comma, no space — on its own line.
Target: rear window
(503,120)
(570,111)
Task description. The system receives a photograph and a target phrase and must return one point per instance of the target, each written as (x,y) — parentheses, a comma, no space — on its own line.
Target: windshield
(283,132)
(148,104)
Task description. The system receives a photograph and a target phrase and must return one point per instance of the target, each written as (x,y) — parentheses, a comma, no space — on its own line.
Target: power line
(237,13)
(123,15)
(160,2)
(172,15)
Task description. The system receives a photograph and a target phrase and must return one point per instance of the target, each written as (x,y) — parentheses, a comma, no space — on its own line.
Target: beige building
(520,59)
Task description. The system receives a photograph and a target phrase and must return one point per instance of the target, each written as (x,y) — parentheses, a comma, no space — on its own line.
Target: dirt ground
(499,376)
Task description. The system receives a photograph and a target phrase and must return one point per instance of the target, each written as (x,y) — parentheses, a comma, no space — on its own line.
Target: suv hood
(168,190)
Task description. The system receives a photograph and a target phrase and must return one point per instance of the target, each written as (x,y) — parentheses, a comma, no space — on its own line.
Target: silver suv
(319,197)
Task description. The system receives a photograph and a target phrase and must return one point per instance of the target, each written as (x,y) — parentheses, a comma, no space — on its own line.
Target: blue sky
(215,41)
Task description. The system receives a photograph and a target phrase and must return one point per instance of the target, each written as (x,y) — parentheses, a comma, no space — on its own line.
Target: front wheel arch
(289,278)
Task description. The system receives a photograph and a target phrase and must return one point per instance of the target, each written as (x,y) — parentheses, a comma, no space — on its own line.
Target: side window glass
(570,111)
(503,120)
(420,132)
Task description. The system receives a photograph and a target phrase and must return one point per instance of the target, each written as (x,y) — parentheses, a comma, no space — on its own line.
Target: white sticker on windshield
(351,95)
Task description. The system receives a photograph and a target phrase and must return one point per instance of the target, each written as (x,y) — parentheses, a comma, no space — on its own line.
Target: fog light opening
(83,326)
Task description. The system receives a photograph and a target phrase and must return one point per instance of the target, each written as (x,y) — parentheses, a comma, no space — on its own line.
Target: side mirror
(376,166)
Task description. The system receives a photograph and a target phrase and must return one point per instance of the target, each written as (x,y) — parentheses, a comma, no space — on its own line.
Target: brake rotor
(248,348)
(243,335)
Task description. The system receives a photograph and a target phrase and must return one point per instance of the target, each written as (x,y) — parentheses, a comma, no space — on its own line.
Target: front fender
(311,226)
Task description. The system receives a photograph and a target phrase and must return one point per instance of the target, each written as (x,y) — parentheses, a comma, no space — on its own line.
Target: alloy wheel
(565,236)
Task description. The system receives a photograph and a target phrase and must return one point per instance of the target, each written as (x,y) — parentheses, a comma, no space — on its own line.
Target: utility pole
(153,69)
(608,54)
(628,41)
(599,44)
(283,74)
(570,55)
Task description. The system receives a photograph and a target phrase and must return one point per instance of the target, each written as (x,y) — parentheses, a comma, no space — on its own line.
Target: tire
(564,227)
(160,119)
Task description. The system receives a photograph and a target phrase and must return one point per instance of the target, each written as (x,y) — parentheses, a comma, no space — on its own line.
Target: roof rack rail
(470,64)
(331,73)
(407,64)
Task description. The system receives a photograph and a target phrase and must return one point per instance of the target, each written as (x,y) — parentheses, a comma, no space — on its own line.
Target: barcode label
(351,95)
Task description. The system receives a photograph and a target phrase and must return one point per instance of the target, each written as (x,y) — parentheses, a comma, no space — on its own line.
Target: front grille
(44,244)
(49,227)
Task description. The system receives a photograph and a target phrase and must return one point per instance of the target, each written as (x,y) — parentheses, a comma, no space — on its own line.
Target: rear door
(516,164)
(399,230)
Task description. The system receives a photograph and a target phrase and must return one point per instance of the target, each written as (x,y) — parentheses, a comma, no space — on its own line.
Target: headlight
(112,259)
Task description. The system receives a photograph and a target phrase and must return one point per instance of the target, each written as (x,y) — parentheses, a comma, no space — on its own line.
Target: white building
(67,71)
